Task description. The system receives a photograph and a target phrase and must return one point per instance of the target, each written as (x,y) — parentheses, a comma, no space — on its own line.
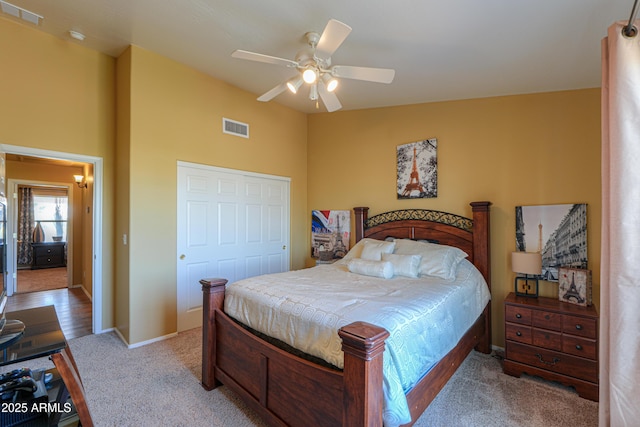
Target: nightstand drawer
(554,361)
(547,339)
(48,260)
(580,347)
(518,333)
(576,325)
(547,320)
(515,314)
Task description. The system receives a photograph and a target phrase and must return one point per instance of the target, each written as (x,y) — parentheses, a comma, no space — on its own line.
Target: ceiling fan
(314,67)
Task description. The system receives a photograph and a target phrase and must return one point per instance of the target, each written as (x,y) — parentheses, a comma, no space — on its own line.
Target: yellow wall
(176,114)
(517,150)
(59,96)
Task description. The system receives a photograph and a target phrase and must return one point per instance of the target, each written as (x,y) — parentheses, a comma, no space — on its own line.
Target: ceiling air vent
(234,127)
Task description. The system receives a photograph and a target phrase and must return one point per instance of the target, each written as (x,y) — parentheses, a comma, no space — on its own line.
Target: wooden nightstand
(554,340)
(48,255)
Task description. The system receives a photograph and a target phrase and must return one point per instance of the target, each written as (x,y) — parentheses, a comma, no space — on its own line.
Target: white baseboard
(143,343)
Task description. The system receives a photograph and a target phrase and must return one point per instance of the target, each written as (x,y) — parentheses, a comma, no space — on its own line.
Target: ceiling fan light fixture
(313,93)
(294,84)
(310,75)
(330,82)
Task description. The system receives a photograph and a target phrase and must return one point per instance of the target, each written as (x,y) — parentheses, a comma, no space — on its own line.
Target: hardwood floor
(72,306)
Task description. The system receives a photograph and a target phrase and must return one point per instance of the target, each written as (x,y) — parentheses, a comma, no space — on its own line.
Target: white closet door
(231,224)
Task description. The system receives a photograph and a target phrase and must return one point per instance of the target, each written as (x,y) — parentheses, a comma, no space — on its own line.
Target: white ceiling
(440,49)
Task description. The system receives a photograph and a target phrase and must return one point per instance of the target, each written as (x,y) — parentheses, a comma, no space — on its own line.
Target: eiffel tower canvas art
(575,286)
(417,169)
(330,231)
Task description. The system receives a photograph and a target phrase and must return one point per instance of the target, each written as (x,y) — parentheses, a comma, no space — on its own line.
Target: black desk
(43,337)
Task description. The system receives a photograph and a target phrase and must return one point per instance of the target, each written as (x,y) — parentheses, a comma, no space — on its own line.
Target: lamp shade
(526,263)
(294,84)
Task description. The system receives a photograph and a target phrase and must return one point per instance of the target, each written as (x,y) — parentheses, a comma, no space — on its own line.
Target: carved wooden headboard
(469,234)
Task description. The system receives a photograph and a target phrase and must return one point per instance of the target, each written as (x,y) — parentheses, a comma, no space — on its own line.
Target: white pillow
(356,250)
(437,260)
(373,249)
(383,269)
(404,265)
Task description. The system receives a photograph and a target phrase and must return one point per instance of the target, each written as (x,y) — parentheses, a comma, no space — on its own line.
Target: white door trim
(98,188)
(234,171)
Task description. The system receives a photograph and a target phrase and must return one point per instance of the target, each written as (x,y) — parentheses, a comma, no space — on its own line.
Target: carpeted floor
(42,279)
(159,384)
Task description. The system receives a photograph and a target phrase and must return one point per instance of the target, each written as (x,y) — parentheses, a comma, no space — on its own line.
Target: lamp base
(523,288)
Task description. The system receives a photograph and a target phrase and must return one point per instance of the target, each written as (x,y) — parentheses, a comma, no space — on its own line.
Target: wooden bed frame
(288,390)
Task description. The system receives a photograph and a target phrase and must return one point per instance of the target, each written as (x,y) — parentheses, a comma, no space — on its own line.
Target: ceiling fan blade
(329,99)
(252,56)
(268,96)
(332,37)
(378,75)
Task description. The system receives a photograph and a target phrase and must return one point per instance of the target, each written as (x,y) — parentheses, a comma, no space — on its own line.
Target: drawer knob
(518,316)
(579,327)
(519,333)
(553,362)
(547,317)
(578,347)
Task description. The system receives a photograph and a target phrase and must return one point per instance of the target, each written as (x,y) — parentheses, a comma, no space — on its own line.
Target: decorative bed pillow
(437,260)
(382,269)
(356,250)
(373,249)
(404,265)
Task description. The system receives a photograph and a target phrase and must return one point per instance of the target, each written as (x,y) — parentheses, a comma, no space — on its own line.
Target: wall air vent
(19,12)
(234,127)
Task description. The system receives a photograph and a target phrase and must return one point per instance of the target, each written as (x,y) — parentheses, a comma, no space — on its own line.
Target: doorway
(42,217)
(92,207)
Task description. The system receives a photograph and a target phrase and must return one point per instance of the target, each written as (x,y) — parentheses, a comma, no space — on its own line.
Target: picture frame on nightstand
(575,286)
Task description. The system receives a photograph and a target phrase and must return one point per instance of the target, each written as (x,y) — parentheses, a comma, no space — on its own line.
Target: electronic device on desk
(10,329)
(23,397)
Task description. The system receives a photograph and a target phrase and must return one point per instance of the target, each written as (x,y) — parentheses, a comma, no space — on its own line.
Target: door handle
(182,256)
(284,247)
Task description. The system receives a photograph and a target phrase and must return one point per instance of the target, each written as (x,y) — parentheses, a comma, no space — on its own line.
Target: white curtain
(620,251)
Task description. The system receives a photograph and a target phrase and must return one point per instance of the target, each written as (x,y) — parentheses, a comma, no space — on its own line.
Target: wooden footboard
(287,390)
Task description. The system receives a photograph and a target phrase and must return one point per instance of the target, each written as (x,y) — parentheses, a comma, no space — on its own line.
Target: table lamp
(529,264)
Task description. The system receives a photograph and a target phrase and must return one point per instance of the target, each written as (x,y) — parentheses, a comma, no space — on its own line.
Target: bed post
(363,345)
(212,299)
(361,218)
(482,261)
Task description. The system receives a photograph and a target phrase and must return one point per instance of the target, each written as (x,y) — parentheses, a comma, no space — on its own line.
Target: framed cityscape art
(558,232)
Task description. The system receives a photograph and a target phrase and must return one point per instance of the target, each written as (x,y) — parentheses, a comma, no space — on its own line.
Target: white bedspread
(425,317)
